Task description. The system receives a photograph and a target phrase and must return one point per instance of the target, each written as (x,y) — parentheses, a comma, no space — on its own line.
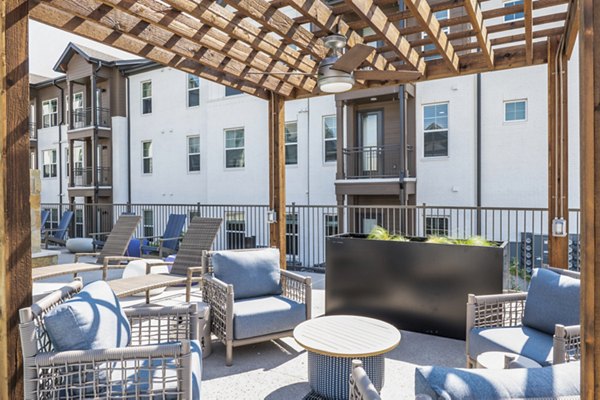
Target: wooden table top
(347,336)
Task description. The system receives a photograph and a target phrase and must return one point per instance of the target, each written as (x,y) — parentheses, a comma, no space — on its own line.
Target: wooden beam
(424,16)
(528,20)
(476,17)
(133,26)
(276,21)
(277,173)
(378,21)
(571,27)
(558,187)
(15,228)
(191,28)
(46,14)
(589,148)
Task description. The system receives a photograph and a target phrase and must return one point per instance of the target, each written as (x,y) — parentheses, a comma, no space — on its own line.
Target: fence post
(424,215)
(295,233)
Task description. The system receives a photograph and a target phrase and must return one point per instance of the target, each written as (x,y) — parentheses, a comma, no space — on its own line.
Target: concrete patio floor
(277,370)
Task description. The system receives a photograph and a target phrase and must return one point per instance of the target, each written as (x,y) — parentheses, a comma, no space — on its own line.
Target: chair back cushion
(253,273)
(552,299)
(92,319)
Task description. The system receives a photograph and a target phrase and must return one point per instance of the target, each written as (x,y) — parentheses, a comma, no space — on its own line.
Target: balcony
(82,120)
(83,177)
(32,133)
(372,162)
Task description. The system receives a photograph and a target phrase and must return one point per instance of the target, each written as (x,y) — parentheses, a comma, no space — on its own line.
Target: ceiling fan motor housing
(333,79)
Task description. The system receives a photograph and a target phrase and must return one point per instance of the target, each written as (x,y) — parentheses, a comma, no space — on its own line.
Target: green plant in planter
(472,241)
(440,240)
(380,233)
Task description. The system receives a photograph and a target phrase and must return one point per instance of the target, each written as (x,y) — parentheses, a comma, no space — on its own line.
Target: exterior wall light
(559,227)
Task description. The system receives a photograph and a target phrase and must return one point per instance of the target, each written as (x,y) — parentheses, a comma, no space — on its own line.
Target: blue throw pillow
(92,319)
(253,273)
(552,299)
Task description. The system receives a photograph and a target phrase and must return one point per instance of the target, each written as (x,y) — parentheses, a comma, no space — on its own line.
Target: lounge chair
(45,214)
(58,235)
(168,243)
(186,269)
(109,352)
(116,244)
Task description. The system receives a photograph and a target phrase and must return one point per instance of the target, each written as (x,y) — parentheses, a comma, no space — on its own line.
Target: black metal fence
(82,117)
(307,226)
(84,176)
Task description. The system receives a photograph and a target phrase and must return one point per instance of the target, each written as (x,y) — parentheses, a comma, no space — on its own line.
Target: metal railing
(82,177)
(82,117)
(373,161)
(307,227)
(32,131)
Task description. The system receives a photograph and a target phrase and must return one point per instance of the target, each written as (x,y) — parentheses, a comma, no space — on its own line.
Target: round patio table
(334,341)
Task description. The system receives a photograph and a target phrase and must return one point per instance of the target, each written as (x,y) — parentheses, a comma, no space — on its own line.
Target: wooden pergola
(236,42)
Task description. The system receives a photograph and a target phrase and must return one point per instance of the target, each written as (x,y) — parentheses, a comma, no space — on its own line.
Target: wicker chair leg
(229,354)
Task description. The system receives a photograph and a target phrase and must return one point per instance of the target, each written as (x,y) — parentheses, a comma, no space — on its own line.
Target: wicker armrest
(219,296)
(79,255)
(361,387)
(152,324)
(298,288)
(566,343)
(495,310)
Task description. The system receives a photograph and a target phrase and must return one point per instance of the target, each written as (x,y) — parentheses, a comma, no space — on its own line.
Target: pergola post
(589,92)
(15,229)
(277,173)
(558,187)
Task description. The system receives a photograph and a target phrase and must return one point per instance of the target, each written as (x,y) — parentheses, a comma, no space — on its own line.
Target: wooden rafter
(44,13)
(571,27)
(156,36)
(424,16)
(190,28)
(378,21)
(476,17)
(528,20)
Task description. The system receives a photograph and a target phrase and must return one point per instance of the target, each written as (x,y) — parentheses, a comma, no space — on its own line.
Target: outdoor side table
(504,360)
(204,329)
(334,341)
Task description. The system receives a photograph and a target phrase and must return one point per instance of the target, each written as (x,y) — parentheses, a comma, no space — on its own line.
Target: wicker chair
(507,310)
(361,387)
(158,363)
(220,296)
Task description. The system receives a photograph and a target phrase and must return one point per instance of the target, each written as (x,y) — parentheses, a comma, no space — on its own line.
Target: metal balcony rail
(82,117)
(307,227)
(372,161)
(82,177)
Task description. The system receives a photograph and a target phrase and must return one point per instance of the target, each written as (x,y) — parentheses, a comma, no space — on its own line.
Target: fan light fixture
(332,80)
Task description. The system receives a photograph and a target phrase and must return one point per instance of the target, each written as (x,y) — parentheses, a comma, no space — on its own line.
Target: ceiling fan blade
(353,58)
(281,73)
(407,76)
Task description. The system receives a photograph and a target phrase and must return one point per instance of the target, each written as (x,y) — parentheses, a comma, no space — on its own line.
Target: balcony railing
(83,176)
(32,131)
(82,117)
(372,162)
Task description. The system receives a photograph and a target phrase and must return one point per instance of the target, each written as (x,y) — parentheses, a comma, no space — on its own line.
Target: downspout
(60,124)
(308,151)
(95,169)
(478,156)
(128,146)
(402,160)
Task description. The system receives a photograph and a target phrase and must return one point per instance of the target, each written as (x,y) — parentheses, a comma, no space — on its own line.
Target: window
(193,149)
(49,164)
(234,148)
(67,161)
(515,16)
(435,130)
(235,229)
(229,91)
(330,138)
(79,223)
(291,143)
(148,218)
(331,224)
(515,110)
(291,234)
(147,157)
(52,221)
(437,226)
(78,112)
(49,113)
(440,15)
(193,90)
(147,97)
(78,160)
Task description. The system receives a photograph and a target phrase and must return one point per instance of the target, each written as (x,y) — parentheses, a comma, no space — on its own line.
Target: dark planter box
(416,286)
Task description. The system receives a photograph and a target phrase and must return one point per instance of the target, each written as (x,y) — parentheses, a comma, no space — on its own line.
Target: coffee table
(334,341)
(503,360)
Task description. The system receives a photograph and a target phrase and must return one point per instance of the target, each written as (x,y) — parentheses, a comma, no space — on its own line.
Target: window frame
(516,16)
(142,98)
(189,154)
(290,144)
(447,130)
(235,229)
(437,231)
(150,157)
(515,121)
(188,90)
(292,220)
(325,139)
(53,121)
(147,227)
(226,149)
(54,163)
(327,218)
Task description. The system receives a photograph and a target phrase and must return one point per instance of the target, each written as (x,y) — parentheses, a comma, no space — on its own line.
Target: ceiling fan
(338,72)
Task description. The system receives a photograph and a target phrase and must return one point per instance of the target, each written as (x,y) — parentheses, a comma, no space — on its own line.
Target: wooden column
(277,173)
(589,92)
(15,229)
(558,184)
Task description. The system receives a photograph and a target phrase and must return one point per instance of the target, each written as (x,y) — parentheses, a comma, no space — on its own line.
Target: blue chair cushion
(552,299)
(522,340)
(265,315)
(558,381)
(92,319)
(253,273)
